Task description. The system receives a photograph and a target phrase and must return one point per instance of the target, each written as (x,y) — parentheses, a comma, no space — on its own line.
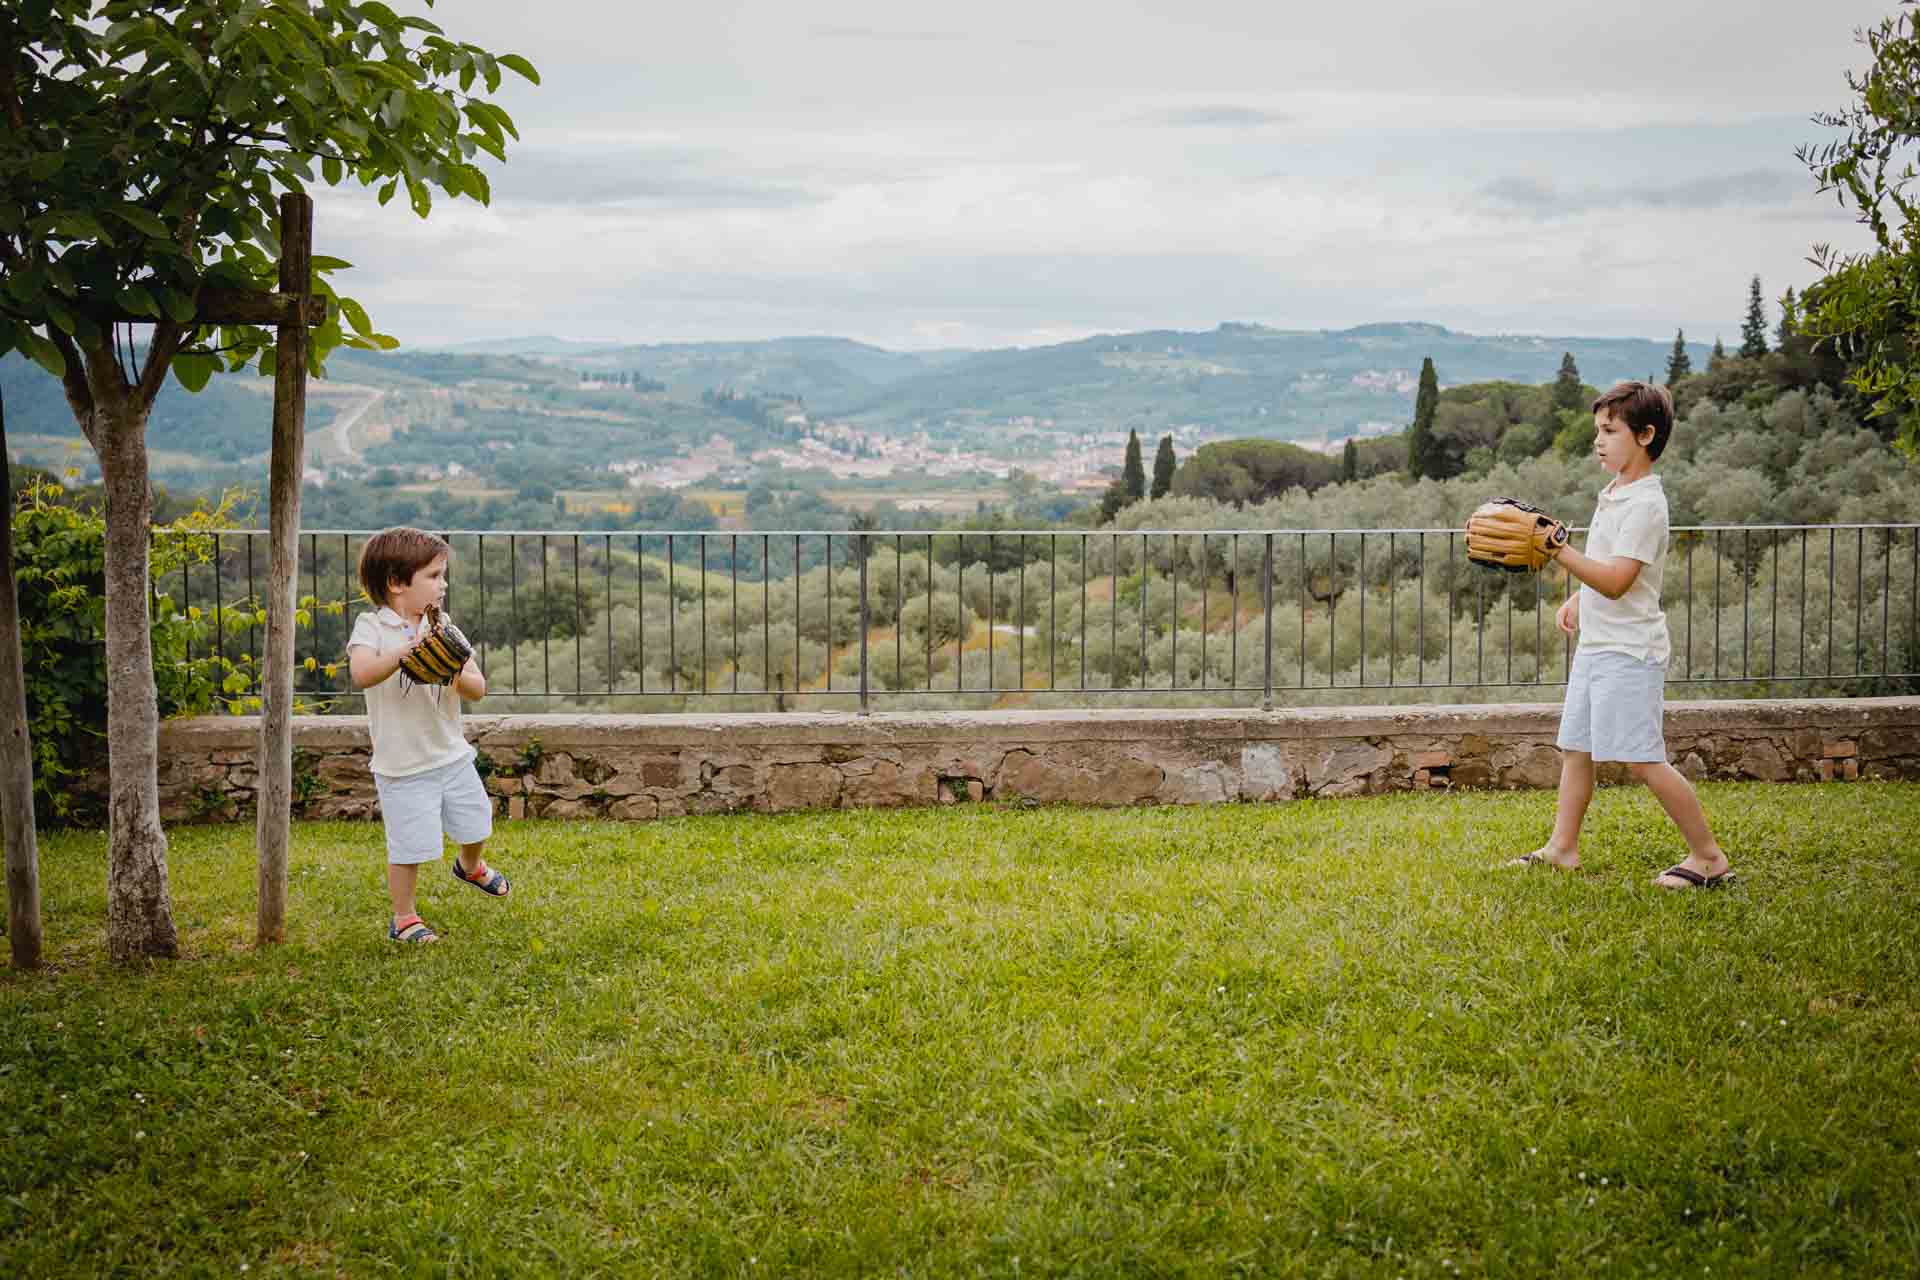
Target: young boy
(1616,690)
(422,764)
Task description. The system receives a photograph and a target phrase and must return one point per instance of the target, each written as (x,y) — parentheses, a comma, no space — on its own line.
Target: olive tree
(144,149)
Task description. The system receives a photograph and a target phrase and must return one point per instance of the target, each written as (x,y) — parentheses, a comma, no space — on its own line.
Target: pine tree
(1679,364)
(1719,356)
(1789,320)
(1133,474)
(1753,334)
(1163,468)
(1349,462)
(1423,461)
(1568,391)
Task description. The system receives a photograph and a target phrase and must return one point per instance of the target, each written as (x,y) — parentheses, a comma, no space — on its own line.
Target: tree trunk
(274,818)
(16,751)
(139,907)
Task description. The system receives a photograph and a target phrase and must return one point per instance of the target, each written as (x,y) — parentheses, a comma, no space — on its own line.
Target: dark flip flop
(1695,880)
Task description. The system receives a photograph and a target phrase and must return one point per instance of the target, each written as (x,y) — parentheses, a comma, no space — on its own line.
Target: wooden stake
(274,817)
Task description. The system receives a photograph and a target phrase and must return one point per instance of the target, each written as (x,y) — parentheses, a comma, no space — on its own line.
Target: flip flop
(1535,859)
(1694,880)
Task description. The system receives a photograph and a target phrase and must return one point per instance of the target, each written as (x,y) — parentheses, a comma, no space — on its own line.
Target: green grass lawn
(1315,1039)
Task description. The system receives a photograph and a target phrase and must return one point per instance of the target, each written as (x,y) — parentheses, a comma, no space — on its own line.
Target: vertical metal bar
(1143,610)
(959,611)
(1233,649)
(733,574)
(1020,615)
(253,629)
(1773,611)
(579,623)
(1718,558)
(186,589)
(1689,608)
(796,616)
(546,619)
(703,611)
(1420,596)
(1859,597)
(673,625)
(1801,670)
(1113,618)
(766,614)
(1746,598)
(1360,589)
(1333,604)
(899,612)
(1083,611)
(1886,590)
(929,635)
(1393,608)
(606,607)
(1479,628)
(829,613)
(1451,582)
(1266,599)
(480,553)
(313,580)
(513,588)
(1053,610)
(860,546)
(1507,591)
(1173,569)
(1539,633)
(992,682)
(1303,610)
(219,624)
(640,603)
(1833,555)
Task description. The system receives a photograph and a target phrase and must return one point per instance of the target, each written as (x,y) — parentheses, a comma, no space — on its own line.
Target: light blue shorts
(421,810)
(1615,708)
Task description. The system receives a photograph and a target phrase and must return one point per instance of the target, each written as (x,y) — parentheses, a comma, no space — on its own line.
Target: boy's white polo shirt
(1631,520)
(416,727)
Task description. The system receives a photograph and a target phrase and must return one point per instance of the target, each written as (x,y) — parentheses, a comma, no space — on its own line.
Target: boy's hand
(1568,615)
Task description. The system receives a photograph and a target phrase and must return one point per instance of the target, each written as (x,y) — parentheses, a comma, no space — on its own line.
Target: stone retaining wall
(639,767)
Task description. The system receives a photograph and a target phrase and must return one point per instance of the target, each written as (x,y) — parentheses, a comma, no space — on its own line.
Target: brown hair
(395,555)
(1641,405)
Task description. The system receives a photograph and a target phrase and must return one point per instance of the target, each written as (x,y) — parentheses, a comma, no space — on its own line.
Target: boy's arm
(1611,577)
(367,668)
(470,684)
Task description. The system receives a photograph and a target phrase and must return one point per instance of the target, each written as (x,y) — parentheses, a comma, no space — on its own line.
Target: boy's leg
(1562,849)
(467,814)
(409,812)
(402,880)
(1676,795)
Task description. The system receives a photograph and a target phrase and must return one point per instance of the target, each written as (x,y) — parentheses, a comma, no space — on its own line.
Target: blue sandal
(414,930)
(495,884)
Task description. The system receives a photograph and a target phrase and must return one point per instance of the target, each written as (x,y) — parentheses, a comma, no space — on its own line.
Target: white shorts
(420,810)
(1615,708)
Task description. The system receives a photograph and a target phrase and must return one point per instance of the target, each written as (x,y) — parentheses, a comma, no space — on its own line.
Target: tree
(1163,467)
(16,749)
(1423,450)
(1569,392)
(1679,365)
(1133,474)
(1349,462)
(1863,305)
(144,150)
(1789,321)
(1719,355)
(1753,332)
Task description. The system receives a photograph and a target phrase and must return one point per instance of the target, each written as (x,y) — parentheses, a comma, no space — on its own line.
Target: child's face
(1615,446)
(429,587)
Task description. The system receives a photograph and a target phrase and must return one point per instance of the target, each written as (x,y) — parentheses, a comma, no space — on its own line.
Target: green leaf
(386,192)
(62,317)
(137,299)
(520,67)
(141,219)
(46,164)
(356,316)
(192,369)
(331,170)
(322,262)
(44,353)
(178,306)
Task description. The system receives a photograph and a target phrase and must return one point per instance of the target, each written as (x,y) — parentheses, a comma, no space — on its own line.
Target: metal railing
(1226,615)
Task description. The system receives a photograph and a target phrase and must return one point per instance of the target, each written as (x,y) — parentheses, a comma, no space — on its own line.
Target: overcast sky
(919,175)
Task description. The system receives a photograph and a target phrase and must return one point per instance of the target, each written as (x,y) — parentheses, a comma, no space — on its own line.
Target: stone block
(1840,750)
(1849,769)
(1263,774)
(1422,777)
(1538,766)
(1761,759)
(1693,766)
(976,790)
(1205,784)
(660,773)
(555,770)
(1335,769)
(1431,759)
(802,786)
(634,809)
(1826,771)
(886,785)
(516,806)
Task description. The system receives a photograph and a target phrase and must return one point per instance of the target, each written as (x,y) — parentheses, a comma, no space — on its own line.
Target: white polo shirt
(415,727)
(1631,520)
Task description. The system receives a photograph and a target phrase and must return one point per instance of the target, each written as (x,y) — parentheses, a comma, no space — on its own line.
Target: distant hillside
(1241,379)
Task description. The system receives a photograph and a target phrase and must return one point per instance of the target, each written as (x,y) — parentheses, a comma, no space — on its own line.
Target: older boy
(422,764)
(1616,690)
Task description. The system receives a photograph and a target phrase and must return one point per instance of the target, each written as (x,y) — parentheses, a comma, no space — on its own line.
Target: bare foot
(1548,856)
(1709,872)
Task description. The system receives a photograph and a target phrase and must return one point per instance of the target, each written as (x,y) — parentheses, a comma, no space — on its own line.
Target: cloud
(670,177)
(824,31)
(1218,116)
(1542,198)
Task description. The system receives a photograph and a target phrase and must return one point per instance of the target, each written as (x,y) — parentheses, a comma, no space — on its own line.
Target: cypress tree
(1719,355)
(1753,333)
(1423,460)
(1133,474)
(1163,467)
(1349,462)
(1568,391)
(1789,320)
(1679,364)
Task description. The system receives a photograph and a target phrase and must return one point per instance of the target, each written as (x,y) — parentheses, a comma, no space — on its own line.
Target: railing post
(1266,597)
(860,548)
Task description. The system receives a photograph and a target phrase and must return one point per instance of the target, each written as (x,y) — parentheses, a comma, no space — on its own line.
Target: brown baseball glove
(1512,535)
(440,653)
